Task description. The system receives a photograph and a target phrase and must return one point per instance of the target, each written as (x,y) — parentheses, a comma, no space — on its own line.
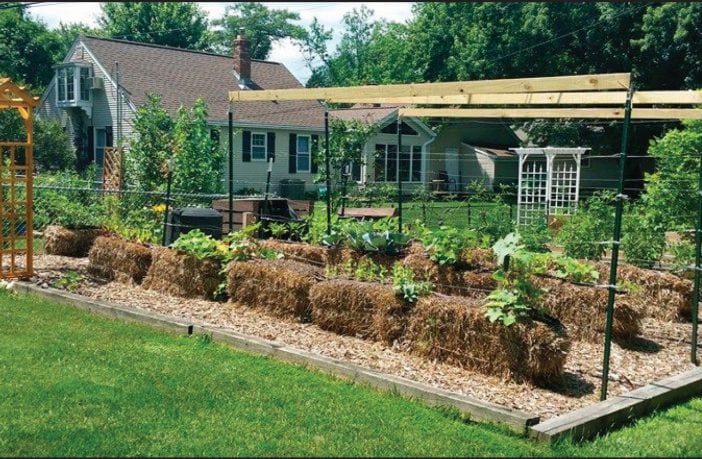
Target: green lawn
(75,384)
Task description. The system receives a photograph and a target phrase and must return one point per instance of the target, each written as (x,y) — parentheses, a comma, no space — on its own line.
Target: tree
(146,159)
(263,27)
(670,192)
(177,24)
(197,157)
(53,149)
(27,49)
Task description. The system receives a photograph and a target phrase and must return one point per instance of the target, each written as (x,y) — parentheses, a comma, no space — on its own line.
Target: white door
(453,169)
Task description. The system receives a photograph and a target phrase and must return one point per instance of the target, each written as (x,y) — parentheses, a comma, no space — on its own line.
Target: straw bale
(280,286)
(180,274)
(113,258)
(662,295)
(362,309)
(478,259)
(59,240)
(583,310)
(449,280)
(297,251)
(455,330)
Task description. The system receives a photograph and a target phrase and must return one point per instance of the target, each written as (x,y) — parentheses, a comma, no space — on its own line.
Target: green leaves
(508,245)
(446,243)
(404,283)
(507,306)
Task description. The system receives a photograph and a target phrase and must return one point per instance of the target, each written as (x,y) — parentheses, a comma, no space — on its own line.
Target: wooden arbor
(16,166)
(603,96)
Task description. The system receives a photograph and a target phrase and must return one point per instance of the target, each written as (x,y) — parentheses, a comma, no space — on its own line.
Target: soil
(660,351)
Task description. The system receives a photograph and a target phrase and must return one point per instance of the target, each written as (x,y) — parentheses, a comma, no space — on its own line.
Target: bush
(535,237)
(683,254)
(53,149)
(583,233)
(643,241)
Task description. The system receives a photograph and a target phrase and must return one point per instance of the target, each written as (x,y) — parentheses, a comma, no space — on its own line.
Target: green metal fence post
(230,225)
(696,291)
(615,244)
(399,172)
(328,169)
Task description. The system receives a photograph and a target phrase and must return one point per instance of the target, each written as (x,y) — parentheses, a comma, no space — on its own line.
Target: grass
(76,384)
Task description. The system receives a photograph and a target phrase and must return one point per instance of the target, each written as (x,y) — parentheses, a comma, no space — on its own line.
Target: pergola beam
(539,98)
(595,82)
(539,113)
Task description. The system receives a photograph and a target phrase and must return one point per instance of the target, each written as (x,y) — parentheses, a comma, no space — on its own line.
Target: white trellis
(549,182)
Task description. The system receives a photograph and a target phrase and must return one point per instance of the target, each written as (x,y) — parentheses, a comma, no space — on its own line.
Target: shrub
(446,243)
(53,149)
(583,233)
(535,236)
(683,254)
(643,241)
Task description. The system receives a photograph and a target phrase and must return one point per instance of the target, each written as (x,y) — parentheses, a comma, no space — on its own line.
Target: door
(99,157)
(453,169)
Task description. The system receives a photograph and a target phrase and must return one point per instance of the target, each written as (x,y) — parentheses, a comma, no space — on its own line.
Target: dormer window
(73,84)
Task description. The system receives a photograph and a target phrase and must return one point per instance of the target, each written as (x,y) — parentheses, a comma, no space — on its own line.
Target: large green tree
(178,24)
(27,48)
(263,27)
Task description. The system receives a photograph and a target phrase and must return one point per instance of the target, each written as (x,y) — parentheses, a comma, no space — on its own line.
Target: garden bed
(69,242)
(113,258)
(661,350)
(179,274)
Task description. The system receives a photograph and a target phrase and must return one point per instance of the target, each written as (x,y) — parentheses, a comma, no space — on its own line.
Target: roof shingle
(181,76)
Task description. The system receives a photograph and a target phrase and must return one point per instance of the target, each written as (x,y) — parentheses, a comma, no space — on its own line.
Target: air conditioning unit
(97,83)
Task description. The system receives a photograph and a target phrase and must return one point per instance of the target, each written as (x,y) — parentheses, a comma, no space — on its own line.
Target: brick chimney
(242,61)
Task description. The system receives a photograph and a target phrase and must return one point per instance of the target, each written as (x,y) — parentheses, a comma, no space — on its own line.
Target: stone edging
(475,409)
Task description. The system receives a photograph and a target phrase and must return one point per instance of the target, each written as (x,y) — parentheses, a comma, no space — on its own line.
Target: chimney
(242,61)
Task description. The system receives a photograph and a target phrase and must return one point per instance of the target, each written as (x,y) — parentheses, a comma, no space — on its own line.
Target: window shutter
(109,138)
(292,158)
(271,146)
(314,154)
(246,147)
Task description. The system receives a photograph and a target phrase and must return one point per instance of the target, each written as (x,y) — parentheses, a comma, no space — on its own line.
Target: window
(84,83)
(70,75)
(405,129)
(258,146)
(387,165)
(73,84)
(61,79)
(303,153)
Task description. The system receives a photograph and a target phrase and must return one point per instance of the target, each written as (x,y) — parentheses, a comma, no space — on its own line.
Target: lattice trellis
(112,169)
(549,182)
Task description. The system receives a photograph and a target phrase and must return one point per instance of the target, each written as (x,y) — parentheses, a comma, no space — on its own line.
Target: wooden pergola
(597,96)
(16,166)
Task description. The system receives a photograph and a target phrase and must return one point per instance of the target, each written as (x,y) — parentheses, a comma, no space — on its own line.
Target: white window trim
(76,69)
(309,154)
(413,149)
(265,147)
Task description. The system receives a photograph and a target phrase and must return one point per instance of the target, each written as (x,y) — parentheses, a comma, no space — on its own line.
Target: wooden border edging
(587,422)
(477,410)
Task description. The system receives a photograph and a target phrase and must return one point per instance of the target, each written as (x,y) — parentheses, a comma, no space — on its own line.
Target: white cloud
(330,14)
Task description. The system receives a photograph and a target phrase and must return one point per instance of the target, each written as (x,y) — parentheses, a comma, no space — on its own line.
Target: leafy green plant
(584,233)
(507,306)
(643,240)
(683,256)
(70,280)
(535,236)
(404,283)
(200,245)
(446,243)
(278,230)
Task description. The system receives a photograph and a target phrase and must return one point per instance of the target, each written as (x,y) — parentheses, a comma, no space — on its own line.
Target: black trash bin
(184,220)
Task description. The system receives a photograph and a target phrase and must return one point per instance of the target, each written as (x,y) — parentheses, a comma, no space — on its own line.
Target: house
(438,159)
(101,82)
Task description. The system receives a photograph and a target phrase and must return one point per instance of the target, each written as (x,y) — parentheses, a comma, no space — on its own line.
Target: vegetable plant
(404,283)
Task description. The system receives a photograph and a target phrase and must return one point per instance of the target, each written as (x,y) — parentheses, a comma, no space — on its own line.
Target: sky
(329,14)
